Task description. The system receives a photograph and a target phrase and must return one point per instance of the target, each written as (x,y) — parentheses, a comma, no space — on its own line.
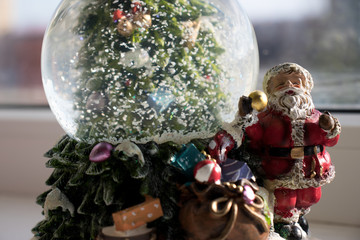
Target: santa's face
(286,80)
(287,93)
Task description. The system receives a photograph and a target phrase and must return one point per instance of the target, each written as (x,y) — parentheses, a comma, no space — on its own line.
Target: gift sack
(222,211)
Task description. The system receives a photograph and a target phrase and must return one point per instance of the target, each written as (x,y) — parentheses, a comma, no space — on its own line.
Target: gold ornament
(125,27)
(191,31)
(259,100)
(141,20)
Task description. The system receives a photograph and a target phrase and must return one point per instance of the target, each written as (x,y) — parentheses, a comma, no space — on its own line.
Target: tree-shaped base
(85,194)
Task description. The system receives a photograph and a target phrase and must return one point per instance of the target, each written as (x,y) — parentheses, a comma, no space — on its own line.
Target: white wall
(26,135)
(340,199)
(24,138)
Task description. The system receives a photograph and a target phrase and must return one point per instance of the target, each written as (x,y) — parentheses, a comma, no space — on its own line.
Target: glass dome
(147,70)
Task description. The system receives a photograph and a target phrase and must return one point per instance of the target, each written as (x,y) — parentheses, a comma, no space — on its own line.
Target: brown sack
(216,212)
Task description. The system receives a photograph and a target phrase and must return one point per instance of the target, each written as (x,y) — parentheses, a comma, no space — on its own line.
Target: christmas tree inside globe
(140,88)
(147,70)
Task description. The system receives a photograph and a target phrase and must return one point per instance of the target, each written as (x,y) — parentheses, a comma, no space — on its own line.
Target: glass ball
(169,70)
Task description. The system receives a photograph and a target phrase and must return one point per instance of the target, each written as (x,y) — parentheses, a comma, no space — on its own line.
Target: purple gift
(234,170)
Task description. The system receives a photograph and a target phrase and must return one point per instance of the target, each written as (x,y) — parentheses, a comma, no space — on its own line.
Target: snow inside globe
(152,70)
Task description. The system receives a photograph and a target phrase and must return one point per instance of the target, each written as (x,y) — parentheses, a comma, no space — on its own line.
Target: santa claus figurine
(289,137)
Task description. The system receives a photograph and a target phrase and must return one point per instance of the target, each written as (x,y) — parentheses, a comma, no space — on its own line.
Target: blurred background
(323,36)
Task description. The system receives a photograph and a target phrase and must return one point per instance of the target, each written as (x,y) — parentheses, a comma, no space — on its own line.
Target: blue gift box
(187,158)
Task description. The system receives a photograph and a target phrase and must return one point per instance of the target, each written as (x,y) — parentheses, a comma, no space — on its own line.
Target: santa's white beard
(297,105)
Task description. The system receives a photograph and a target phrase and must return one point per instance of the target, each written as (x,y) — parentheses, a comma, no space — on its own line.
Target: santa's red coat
(275,130)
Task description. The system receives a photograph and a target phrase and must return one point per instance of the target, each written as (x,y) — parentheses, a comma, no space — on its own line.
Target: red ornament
(207,171)
(136,7)
(118,14)
(128,82)
(221,144)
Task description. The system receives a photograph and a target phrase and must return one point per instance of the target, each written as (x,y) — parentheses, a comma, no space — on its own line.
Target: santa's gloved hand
(326,121)
(244,106)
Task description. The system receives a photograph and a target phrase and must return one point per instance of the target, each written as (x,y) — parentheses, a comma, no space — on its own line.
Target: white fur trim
(275,236)
(297,133)
(295,178)
(237,126)
(294,218)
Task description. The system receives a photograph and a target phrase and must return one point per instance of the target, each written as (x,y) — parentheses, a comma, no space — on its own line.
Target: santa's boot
(290,231)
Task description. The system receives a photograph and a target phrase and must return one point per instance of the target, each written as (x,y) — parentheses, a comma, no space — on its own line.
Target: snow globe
(147,70)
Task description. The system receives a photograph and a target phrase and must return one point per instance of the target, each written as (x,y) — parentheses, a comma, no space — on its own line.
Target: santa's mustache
(294,102)
(289,91)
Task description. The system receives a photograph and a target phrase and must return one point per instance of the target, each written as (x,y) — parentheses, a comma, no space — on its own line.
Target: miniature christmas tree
(153,59)
(84,194)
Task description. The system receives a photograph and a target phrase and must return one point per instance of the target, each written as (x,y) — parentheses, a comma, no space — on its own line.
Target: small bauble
(125,27)
(191,32)
(259,100)
(100,152)
(136,7)
(96,102)
(248,194)
(118,15)
(141,20)
(207,171)
(94,84)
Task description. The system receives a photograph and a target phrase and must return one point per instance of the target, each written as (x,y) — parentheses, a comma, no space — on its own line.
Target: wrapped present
(138,215)
(234,170)
(187,158)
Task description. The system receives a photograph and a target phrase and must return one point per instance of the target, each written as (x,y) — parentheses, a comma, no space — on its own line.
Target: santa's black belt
(295,152)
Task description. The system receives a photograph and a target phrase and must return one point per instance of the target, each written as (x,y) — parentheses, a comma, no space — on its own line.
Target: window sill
(19,214)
